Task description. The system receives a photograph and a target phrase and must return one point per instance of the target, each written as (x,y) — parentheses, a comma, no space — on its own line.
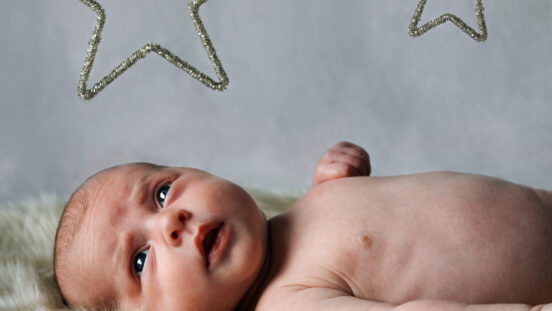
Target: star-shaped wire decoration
(94,42)
(416,31)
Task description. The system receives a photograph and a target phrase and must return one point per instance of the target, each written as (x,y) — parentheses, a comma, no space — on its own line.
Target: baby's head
(141,236)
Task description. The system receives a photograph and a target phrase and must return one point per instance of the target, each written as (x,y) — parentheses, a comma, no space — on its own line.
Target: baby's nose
(175,223)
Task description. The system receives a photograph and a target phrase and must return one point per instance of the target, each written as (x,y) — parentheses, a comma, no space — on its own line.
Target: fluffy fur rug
(27,230)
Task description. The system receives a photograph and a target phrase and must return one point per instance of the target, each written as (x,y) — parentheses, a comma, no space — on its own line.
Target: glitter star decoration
(416,31)
(94,42)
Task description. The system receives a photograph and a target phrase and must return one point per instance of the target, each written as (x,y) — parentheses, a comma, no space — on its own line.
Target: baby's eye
(161,194)
(139,261)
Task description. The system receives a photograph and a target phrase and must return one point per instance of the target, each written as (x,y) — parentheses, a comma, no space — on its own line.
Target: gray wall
(304,74)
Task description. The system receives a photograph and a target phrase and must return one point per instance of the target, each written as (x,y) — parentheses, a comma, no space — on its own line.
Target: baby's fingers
(342,160)
(350,153)
(334,170)
(361,165)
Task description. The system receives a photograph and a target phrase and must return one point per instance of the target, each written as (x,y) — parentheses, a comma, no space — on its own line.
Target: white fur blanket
(27,230)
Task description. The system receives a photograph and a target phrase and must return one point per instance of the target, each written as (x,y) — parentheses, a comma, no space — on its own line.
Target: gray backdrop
(304,74)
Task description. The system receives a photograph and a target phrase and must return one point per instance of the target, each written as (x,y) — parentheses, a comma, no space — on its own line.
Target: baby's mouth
(211,242)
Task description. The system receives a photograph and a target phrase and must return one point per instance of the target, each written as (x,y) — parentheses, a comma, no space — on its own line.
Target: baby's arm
(342,160)
(329,299)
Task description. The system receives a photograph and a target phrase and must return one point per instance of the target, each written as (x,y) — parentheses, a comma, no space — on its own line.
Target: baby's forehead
(110,182)
(128,172)
(128,169)
(94,192)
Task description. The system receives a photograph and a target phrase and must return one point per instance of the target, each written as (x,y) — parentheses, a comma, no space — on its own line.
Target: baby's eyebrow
(140,191)
(121,261)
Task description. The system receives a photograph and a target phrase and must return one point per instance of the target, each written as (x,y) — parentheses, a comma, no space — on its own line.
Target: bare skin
(432,241)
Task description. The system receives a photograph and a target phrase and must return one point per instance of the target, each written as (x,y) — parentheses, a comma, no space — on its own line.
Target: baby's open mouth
(211,241)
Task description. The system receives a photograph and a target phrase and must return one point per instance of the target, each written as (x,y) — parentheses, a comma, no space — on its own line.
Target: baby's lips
(202,232)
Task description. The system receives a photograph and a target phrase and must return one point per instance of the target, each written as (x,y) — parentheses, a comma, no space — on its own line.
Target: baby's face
(166,238)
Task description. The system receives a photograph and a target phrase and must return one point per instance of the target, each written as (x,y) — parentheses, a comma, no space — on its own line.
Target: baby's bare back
(443,235)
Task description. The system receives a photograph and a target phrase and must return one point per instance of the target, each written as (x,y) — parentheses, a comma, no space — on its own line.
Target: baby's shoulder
(303,268)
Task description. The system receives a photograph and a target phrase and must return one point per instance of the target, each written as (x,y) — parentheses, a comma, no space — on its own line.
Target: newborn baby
(147,237)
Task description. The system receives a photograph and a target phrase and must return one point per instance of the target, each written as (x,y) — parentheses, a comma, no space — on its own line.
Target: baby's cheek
(171,281)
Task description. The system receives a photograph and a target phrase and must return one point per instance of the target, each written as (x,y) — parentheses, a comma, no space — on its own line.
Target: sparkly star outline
(94,42)
(415,31)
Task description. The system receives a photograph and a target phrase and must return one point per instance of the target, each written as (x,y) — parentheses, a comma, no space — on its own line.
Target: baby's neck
(249,301)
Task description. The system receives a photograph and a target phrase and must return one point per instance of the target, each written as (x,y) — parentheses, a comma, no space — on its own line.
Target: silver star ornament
(94,42)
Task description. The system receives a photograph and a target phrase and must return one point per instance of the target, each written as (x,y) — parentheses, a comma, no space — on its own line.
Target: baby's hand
(342,160)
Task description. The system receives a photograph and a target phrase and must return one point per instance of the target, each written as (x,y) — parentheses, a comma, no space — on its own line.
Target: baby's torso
(436,235)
